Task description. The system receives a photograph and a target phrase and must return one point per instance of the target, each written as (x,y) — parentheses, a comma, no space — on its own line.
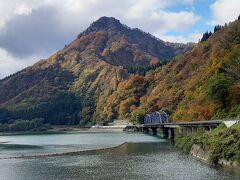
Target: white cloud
(10,64)
(23,9)
(9,9)
(78,13)
(182,39)
(225,11)
(32,27)
(173,21)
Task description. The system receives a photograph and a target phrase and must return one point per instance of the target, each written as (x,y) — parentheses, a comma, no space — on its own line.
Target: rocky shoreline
(200,154)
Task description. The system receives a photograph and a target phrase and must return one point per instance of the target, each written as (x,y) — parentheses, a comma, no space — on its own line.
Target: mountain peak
(120,45)
(105,23)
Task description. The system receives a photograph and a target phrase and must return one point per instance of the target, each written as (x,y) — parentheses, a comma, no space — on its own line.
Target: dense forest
(114,72)
(203,84)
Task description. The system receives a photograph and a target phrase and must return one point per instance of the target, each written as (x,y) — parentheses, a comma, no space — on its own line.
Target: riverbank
(66,153)
(51,129)
(219,147)
(66,128)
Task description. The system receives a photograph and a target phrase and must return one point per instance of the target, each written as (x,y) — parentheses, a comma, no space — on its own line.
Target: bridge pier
(145,130)
(184,128)
(168,133)
(136,128)
(165,132)
(208,128)
(154,130)
(193,129)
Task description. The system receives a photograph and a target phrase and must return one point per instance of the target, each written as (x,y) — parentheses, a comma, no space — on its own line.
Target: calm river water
(143,157)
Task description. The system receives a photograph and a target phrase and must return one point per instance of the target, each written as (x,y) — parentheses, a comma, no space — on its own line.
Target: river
(142,157)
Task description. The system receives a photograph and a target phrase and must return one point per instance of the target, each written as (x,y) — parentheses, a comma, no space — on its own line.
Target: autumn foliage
(113,72)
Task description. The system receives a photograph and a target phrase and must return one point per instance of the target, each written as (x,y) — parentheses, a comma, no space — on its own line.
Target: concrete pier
(169,129)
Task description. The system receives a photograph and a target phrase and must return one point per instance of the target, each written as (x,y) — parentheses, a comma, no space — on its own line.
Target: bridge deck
(178,124)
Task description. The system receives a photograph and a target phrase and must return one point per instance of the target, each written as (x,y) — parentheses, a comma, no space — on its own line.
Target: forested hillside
(114,72)
(68,87)
(202,84)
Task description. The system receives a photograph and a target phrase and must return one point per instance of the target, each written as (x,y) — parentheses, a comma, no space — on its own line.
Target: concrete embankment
(220,146)
(116,125)
(198,153)
(107,128)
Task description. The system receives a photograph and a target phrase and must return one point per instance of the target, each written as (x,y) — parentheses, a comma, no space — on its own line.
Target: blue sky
(202,9)
(34,29)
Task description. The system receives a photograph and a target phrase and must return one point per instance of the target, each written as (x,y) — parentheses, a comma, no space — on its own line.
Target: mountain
(70,85)
(120,45)
(113,72)
(204,83)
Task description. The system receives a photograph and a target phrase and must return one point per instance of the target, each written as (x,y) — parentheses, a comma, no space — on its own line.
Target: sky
(31,30)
